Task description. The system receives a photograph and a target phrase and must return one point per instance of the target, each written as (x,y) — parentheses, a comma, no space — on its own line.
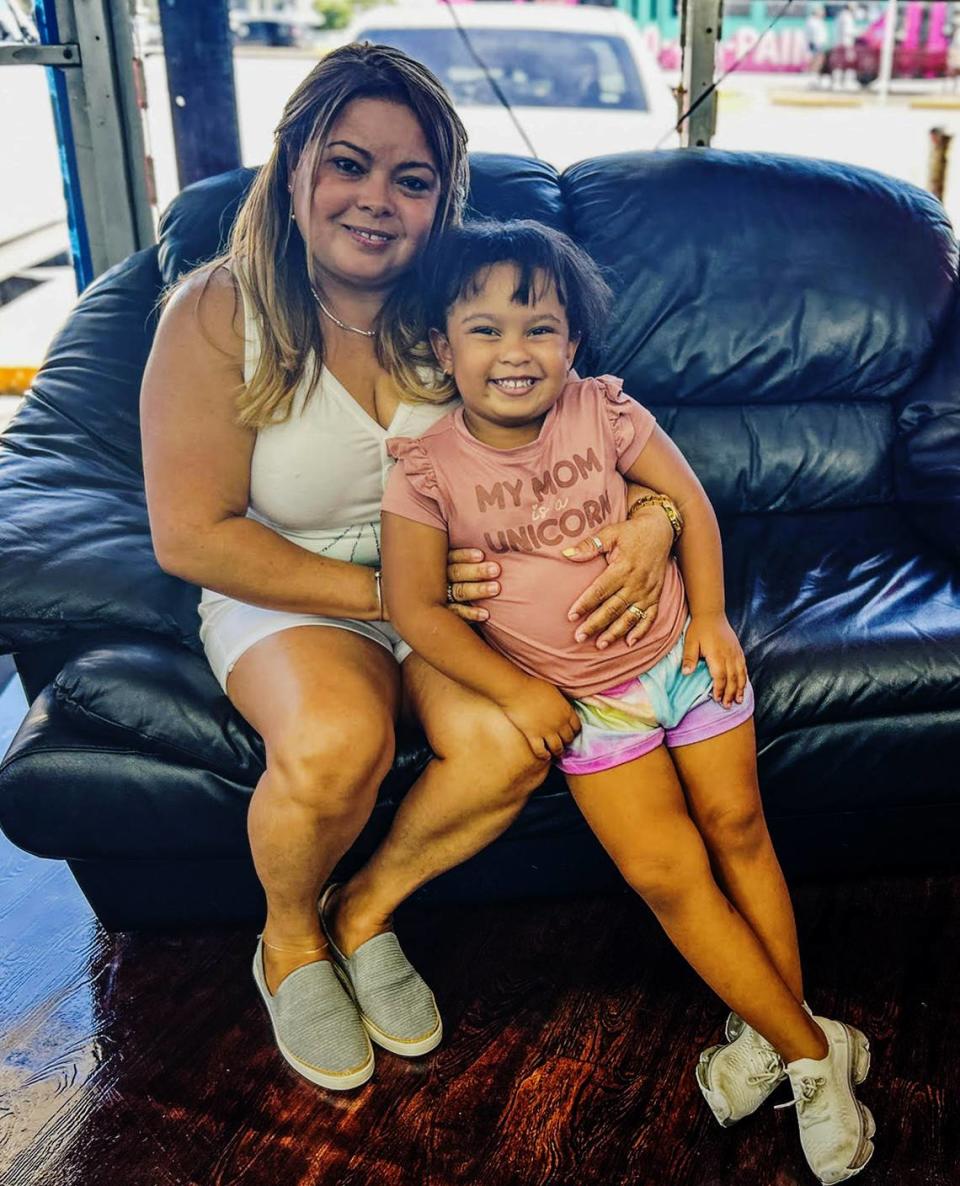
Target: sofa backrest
(772,312)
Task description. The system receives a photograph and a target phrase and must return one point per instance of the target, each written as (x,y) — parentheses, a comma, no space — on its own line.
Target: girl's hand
(544,716)
(637,552)
(471,580)
(711,636)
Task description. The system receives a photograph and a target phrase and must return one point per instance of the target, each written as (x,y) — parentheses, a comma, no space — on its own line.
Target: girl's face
(510,361)
(370,207)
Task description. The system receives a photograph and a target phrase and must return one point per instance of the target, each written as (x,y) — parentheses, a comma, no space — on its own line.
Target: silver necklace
(353,329)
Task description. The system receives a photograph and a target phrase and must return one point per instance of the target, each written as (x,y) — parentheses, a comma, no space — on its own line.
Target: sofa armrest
(927,445)
(74,534)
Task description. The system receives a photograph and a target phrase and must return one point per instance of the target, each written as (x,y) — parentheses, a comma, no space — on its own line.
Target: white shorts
(228,628)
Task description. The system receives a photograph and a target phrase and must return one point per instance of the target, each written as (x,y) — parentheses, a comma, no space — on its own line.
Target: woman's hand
(471,579)
(637,553)
(711,637)
(543,715)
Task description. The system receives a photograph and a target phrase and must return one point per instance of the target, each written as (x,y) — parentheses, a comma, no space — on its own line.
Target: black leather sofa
(793,324)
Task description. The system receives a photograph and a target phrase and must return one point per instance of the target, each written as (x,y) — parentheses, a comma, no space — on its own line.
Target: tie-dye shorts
(658,706)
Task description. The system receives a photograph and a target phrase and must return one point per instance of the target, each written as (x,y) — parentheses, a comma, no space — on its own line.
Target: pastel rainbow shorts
(656,707)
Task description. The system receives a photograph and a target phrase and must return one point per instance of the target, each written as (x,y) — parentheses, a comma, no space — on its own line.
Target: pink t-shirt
(523,506)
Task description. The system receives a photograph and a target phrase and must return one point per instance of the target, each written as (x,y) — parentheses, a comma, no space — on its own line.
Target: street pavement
(758,113)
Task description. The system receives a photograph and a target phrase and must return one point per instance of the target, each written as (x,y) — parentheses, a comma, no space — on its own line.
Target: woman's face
(369,209)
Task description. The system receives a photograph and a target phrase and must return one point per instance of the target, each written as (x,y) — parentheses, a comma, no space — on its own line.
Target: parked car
(257,29)
(580,81)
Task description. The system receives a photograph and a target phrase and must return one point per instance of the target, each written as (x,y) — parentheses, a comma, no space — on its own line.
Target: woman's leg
(719,778)
(480,778)
(324,700)
(638,813)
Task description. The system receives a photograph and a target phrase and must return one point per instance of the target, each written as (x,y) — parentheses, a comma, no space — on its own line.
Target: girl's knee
(738,830)
(665,878)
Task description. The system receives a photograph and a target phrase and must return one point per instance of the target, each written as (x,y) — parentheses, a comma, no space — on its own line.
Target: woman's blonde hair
(273,265)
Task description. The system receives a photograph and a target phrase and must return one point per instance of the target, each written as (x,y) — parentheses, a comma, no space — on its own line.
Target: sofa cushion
(163,699)
(843,618)
(928,445)
(764,279)
(760,296)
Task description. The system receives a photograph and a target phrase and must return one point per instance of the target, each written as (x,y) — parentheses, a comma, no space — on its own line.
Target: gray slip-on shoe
(316,1025)
(395,1004)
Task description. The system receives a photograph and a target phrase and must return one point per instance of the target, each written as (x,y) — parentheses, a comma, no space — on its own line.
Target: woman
(266,409)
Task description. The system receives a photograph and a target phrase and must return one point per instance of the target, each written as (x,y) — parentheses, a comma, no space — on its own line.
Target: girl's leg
(638,813)
(719,778)
(324,700)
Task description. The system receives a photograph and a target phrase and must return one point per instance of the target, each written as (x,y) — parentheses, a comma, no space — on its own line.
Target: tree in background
(337,14)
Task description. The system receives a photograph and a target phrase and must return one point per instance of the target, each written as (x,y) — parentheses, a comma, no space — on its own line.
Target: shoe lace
(771,1072)
(809,1088)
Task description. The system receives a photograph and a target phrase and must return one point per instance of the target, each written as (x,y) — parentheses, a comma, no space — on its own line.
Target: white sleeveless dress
(317,479)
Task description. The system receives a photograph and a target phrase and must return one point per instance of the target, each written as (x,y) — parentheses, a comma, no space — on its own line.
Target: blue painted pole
(45,16)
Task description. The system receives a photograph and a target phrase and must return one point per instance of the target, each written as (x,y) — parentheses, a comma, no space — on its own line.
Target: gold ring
(597,542)
(635,611)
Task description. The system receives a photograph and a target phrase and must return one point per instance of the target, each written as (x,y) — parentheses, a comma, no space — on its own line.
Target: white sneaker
(738,1077)
(835,1128)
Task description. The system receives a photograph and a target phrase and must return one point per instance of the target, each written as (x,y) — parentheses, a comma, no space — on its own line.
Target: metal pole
(203,101)
(701,31)
(99,132)
(886,54)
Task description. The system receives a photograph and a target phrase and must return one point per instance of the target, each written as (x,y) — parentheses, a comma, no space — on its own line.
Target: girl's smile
(510,360)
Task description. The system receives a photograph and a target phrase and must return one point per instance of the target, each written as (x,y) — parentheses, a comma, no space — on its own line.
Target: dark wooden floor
(572,1031)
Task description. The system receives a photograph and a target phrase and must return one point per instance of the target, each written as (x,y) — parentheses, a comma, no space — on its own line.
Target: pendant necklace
(353,329)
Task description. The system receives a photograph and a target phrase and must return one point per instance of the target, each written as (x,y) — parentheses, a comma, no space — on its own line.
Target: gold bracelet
(661,500)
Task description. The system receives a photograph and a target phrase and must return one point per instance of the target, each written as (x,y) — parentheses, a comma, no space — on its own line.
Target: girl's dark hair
(454,267)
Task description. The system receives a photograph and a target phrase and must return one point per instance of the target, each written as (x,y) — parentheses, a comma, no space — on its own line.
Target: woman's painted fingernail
(491,588)
(631,642)
(602,644)
(572,616)
(484,615)
(490,571)
(580,636)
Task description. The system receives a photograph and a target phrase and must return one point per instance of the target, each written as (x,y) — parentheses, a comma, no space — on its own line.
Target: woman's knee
(482,736)
(334,765)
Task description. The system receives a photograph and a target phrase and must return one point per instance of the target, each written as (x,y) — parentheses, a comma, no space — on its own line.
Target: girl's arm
(663,467)
(196,462)
(415,583)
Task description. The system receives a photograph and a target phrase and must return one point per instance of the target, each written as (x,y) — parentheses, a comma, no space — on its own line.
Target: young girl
(656,739)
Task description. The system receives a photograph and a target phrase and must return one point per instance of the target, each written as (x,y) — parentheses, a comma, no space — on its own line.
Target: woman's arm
(414,574)
(196,462)
(662,466)
(638,551)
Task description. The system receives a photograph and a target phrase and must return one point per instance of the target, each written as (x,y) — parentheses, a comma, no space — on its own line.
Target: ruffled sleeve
(412,489)
(629,424)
